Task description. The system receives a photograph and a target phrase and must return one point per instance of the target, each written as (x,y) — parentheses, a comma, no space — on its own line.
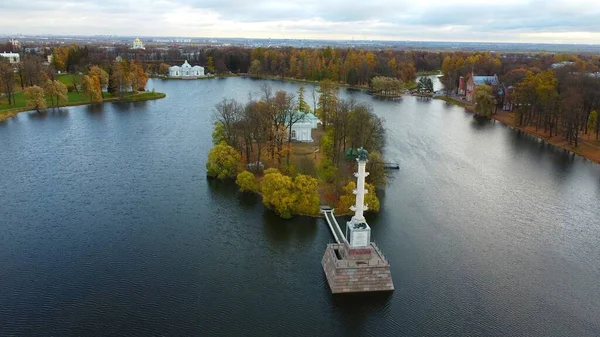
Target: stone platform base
(356,270)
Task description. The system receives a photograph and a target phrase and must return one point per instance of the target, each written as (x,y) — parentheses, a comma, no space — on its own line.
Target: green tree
(247,182)
(278,193)
(255,68)
(302,105)
(223,161)
(425,84)
(34,98)
(348,198)
(327,171)
(218,134)
(484,100)
(210,65)
(306,195)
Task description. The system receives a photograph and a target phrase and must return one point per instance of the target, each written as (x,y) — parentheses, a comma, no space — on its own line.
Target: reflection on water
(95,108)
(49,113)
(482,123)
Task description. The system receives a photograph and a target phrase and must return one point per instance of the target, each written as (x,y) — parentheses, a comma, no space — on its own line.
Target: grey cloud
(401,18)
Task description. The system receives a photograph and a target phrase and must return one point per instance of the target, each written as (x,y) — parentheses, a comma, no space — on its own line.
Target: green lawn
(67,79)
(428,73)
(75,98)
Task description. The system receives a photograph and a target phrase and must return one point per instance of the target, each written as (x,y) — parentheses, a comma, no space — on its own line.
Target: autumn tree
(278,193)
(592,121)
(255,68)
(163,69)
(120,78)
(90,89)
(34,98)
(327,100)
(99,77)
(247,182)
(228,113)
(138,76)
(7,79)
(386,85)
(348,198)
(60,56)
(306,195)
(30,71)
(57,92)
(223,162)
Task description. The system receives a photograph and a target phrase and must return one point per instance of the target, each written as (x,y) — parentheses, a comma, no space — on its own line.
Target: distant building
(186,71)
(302,129)
(137,44)
(561,64)
(15,44)
(475,81)
(12,57)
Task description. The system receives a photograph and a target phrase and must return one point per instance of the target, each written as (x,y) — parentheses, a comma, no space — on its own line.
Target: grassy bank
(428,73)
(75,98)
(454,101)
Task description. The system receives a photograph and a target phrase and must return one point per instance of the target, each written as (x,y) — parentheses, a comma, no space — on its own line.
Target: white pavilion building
(12,57)
(302,129)
(186,71)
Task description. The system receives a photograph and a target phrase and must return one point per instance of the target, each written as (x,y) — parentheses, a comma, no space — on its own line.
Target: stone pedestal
(355,270)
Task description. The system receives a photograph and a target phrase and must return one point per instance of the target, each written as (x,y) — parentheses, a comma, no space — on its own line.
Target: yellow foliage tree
(223,162)
(34,98)
(278,193)
(247,182)
(91,90)
(306,195)
(100,78)
(57,92)
(347,199)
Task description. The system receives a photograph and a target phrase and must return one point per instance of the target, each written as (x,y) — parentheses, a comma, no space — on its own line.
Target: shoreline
(139,97)
(586,148)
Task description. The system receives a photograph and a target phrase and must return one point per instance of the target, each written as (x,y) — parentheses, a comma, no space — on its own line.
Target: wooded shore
(587,148)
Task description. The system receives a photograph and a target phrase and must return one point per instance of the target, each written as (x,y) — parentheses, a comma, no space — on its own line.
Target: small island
(36,85)
(295,157)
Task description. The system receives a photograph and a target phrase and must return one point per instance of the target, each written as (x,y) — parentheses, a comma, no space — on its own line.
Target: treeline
(511,68)
(351,66)
(560,102)
(44,89)
(559,94)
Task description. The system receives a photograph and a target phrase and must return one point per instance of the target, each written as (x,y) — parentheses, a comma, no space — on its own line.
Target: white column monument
(356,264)
(358,232)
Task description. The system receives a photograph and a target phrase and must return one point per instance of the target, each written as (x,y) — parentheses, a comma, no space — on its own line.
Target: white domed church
(186,71)
(137,44)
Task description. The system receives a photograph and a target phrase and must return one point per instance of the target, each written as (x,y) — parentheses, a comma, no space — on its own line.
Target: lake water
(108,226)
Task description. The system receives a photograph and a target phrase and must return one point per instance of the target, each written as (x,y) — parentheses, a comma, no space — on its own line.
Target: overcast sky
(554,21)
